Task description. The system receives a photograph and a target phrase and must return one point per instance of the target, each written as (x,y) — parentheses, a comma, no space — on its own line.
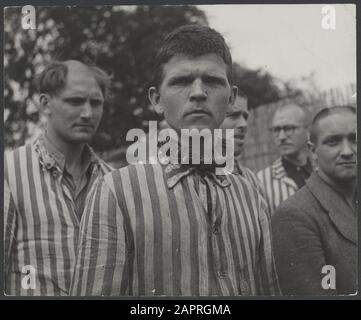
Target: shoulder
(247,172)
(105,167)
(302,206)
(297,200)
(15,156)
(262,171)
(22,150)
(132,171)
(261,174)
(247,186)
(251,177)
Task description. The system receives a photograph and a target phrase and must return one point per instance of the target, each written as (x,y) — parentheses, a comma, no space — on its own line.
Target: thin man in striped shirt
(177,229)
(288,173)
(237,119)
(47,181)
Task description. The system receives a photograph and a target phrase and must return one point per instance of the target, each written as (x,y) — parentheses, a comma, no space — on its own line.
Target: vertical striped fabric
(276,185)
(148,231)
(40,224)
(251,177)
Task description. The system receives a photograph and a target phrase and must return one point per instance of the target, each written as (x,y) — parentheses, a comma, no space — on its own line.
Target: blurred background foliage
(120,39)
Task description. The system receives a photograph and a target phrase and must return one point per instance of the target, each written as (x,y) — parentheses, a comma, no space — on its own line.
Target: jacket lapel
(340,213)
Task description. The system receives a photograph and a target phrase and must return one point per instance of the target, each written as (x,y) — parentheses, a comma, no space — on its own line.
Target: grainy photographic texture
(194,151)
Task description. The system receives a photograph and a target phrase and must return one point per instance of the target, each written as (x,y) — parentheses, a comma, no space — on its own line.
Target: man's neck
(203,150)
(346,188)
(298,159)
(71,152)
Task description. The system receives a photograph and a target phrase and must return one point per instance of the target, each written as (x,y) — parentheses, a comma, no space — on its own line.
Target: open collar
(51,159)
(175,171)
(278,172)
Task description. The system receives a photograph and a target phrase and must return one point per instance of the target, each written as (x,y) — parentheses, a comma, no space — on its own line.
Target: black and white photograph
(180,151)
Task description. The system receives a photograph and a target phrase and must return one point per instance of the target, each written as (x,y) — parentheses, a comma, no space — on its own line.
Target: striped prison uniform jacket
(168,230)
(41,227)
(252,178)
(276,185)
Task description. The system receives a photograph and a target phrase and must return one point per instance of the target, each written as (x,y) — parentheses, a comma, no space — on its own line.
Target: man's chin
(348,176)
(198,127)
(287,152)
(238,151)
(81,138)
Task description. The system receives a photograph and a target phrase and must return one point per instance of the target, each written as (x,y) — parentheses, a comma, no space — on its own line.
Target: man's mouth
(84,125)
(239,136)
(239,140)
(285,145)
(346,163)
(198,112)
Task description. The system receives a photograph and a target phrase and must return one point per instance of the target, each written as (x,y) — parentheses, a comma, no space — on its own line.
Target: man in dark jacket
(315,231)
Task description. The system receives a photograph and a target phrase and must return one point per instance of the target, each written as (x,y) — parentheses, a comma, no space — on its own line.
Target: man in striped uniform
(237,119)
(176,229)
(47,181)
(289,172)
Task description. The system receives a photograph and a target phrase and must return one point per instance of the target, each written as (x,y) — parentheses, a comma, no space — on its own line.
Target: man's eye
(213,81)
(289,128)
(332,142)
(353,138)
(180,81)
(96,102)
(232,115)
(75,101)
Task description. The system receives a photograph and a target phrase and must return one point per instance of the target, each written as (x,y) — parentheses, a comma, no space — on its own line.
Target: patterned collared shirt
(276,185)
(170,230)
(41,225)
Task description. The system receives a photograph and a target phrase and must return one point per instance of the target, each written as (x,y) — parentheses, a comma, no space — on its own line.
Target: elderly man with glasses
(289,172)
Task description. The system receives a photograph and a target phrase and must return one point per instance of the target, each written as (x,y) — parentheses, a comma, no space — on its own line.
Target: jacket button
(244,287)
(216,230)
(222,274)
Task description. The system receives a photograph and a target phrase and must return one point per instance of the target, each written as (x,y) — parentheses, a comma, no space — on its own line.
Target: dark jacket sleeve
(298,250)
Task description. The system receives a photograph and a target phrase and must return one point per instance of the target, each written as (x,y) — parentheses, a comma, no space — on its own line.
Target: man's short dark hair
(193,40)
(53,78)
(325,113)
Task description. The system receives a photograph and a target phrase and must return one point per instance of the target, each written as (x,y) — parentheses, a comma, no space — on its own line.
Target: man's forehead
(340,123)
(81,83)
(181,63)
(79,73)
(290,113)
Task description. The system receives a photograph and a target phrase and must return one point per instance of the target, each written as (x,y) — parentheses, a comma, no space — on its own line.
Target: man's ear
(44,100)
(233,96)
(312,148)
(154,98)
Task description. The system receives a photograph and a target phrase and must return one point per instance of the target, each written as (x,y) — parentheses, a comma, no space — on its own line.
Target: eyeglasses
(288,130)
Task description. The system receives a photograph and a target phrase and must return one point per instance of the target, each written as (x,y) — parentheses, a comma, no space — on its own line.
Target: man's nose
(87,111)
(242,123)
(198,91)
(282,135)
(346,149)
